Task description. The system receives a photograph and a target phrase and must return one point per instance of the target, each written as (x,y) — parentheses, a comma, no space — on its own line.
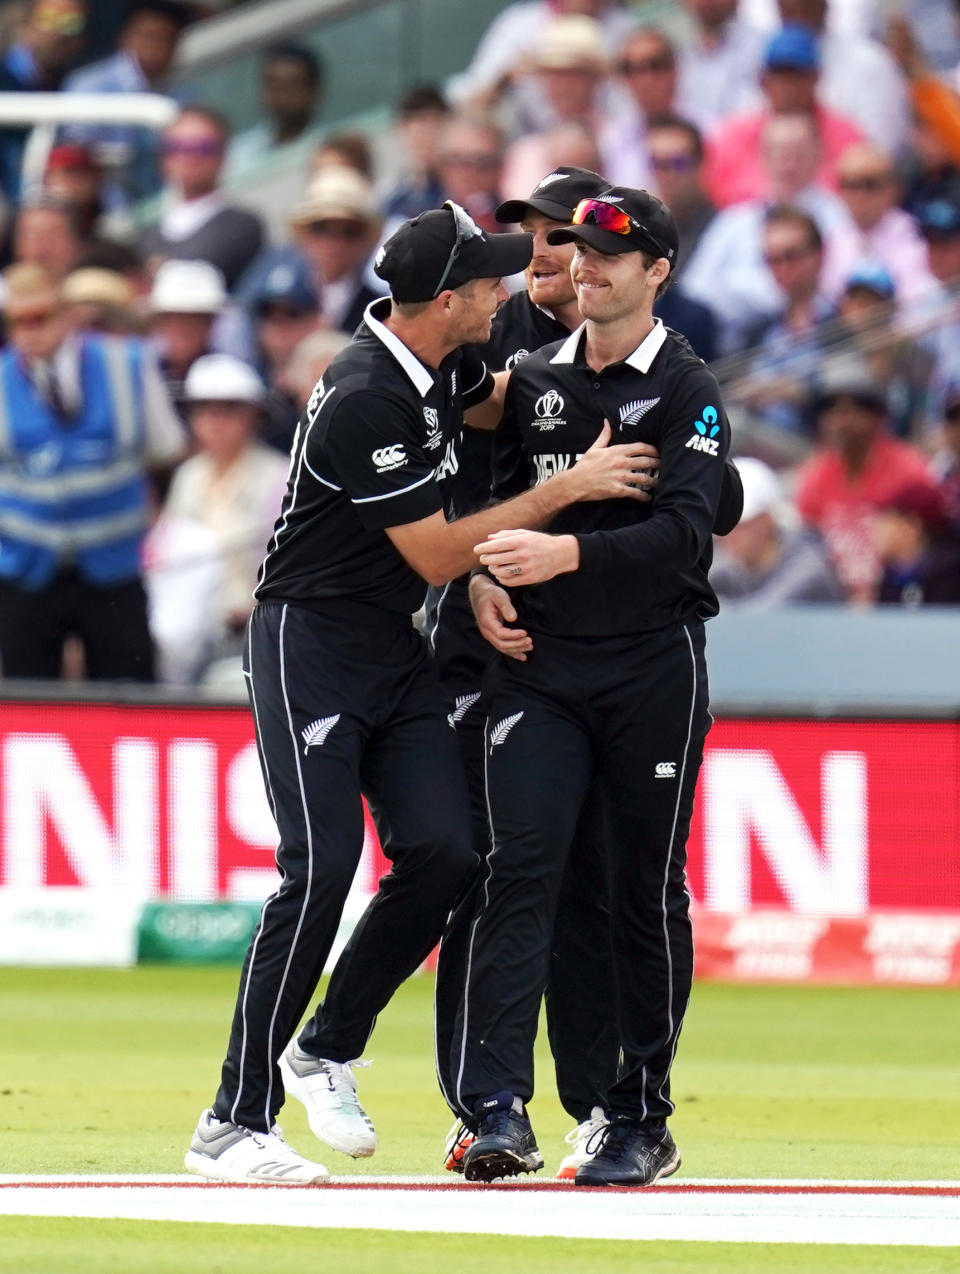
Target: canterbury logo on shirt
(387,458)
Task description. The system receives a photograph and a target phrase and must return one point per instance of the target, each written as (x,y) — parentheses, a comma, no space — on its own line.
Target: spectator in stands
(291,95)
(571,65)
(336,225)
(511,41)
(49,40)
(790,346)
(935,141)
(186,299)
(146,47)
(945,465)
(719,66)
(470,164)
(918,548)
(199,223)
(791,68)
(857,466)
(233,484)
(648,70)
(930,172)
(47,232)
(309,361)
(73,175)
(860,81)
(767,560)
(84,417)
(728,271)
(935,315)
(285,308)
(878,232)
(675,148)
(344,150)
(182,570)
(899,364)
(421,115)
(101,301)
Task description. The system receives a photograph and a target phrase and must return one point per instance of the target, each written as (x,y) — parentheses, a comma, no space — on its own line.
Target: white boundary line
(915,1214)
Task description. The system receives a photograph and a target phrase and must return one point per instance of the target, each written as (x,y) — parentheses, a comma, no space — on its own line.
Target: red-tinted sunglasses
(606,216)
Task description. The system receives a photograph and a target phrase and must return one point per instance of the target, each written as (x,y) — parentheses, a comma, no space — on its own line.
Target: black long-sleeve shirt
(642,566)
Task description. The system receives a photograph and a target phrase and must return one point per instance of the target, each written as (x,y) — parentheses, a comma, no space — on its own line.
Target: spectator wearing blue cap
(899,363)
(935,315)
(879,231)
(286,309)
(791,72)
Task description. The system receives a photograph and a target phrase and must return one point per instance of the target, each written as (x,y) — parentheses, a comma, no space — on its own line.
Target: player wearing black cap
(612,602)
(345,698)
(583,1034)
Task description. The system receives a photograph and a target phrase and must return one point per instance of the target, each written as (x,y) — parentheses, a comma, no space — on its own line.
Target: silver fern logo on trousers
(462,706)
(499,732)
(315,735)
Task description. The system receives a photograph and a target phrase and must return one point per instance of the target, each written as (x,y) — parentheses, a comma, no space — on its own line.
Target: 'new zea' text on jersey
(643,566)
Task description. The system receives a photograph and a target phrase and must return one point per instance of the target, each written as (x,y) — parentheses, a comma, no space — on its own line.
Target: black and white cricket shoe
(630,1154)
(504,1145)
(229,1152)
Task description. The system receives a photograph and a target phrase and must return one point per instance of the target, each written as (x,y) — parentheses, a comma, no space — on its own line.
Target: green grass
(106,1071)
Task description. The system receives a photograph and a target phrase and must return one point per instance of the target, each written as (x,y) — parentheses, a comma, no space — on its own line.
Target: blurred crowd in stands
(155,362)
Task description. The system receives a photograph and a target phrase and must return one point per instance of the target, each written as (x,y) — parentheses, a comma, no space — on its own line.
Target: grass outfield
(106,1071)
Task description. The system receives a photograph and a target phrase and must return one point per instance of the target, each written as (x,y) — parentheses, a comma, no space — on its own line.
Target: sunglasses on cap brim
(466,229)
(607,216)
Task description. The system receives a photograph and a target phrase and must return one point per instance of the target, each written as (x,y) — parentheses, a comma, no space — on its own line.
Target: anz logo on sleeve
(705,437)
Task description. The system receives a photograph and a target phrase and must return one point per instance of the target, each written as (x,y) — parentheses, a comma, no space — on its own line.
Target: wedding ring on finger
(516,570)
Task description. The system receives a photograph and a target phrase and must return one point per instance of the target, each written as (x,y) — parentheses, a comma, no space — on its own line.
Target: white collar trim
(641,359)
(422,379)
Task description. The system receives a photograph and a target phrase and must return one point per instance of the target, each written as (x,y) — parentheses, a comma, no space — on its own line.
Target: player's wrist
(568,554)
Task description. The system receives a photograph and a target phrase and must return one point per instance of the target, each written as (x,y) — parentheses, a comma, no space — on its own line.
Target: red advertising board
(829,819)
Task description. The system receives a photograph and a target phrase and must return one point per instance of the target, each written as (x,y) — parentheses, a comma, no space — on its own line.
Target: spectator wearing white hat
(233,484)
(768,560)
(336,225)
(190,316)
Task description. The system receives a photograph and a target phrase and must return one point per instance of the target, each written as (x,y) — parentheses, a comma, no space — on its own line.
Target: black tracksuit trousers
(344,703)
(583,1033)
(629,713)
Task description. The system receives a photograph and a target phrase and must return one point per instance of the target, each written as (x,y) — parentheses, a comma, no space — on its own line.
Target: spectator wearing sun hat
(791,70)
(233,484)
(336,226)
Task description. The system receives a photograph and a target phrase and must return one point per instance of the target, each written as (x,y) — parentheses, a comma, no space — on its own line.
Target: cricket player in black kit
(613,690)
(345,696)
(582,1031)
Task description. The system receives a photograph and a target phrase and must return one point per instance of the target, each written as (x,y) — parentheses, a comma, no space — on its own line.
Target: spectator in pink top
(791,68)
(879,232)
(854,471)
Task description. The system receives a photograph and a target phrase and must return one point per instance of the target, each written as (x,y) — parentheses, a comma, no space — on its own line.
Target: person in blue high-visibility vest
(82,419)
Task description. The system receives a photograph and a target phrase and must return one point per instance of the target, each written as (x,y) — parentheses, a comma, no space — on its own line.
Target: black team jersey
(377,446)
(642,566)
(519,327)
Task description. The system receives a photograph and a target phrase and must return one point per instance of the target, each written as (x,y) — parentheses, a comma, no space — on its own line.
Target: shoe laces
(583,1134)
(341,1078)
(458,1137)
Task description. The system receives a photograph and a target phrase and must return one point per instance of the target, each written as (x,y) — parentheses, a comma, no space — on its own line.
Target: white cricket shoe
(585,1142)
(230,1152)
(329,1092)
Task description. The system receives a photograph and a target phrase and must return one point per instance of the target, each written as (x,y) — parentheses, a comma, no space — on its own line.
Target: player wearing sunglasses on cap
(345,697)
(604,687)
(583,1036)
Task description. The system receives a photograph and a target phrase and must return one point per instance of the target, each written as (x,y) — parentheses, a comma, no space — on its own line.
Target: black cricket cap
(653,230)
(555,195)
(444,248)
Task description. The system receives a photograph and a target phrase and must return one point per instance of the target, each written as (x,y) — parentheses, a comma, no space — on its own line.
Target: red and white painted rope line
(908,1213)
